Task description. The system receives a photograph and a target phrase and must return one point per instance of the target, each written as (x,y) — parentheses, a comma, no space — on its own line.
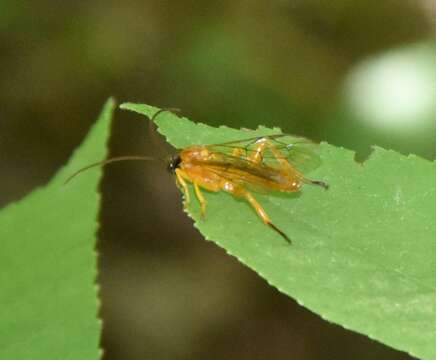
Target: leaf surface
(363,253)
(48,263)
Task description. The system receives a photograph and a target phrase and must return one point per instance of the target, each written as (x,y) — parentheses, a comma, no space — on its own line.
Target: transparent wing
(240,178)
(301,153)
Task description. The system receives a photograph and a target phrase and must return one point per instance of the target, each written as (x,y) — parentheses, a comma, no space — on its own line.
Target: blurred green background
(351,72)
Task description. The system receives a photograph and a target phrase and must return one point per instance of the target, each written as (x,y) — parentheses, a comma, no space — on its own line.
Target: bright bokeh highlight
(395,91)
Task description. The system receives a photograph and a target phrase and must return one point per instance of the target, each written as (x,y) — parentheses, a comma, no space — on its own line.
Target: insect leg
(257,155)
(180,175)
(285,163)
(201,199)
(278,155)
(264,144)
(237,152)
(261,212)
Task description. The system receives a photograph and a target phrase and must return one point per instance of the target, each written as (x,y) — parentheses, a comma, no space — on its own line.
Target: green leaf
(48,263)
(363,253)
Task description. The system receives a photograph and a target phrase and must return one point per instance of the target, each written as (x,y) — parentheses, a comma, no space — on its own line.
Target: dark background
(353,73)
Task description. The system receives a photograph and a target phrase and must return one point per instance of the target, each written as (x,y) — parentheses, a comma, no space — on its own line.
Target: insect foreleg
(180,175)
(201,199)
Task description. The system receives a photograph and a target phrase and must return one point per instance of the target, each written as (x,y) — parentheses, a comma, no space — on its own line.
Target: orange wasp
(262,164)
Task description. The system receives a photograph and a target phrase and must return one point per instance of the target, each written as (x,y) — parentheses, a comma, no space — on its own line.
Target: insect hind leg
(260,212)
(266,144)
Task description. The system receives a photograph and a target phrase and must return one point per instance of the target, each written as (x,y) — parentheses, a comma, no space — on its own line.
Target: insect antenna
(123,158)
(109,161)
(157,143)
(157,113)
(270,224)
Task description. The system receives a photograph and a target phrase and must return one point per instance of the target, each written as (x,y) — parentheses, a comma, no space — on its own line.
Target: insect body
(258,164)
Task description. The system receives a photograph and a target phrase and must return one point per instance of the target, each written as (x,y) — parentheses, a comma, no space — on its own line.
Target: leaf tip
(142,109)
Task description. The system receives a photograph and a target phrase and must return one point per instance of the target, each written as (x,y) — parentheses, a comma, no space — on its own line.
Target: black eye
(174,163)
